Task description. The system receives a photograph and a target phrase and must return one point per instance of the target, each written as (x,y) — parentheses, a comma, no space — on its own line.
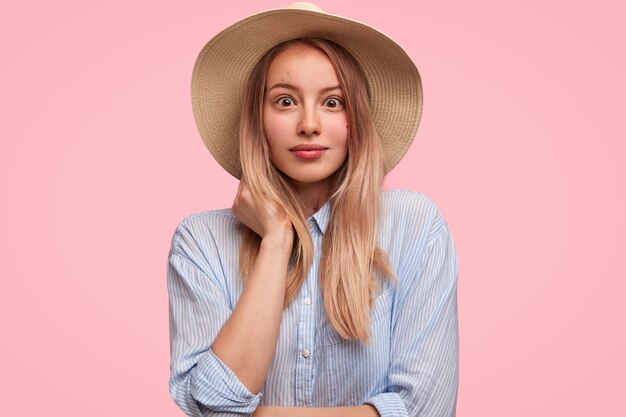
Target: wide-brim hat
(225,62)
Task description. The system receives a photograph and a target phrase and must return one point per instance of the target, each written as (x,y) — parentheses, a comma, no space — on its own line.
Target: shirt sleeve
(200,383)
(423,373)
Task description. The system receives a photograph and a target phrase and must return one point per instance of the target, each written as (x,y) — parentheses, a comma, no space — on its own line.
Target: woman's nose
(309,123)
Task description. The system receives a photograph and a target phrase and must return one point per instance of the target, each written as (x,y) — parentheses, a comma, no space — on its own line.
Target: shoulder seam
(189,261)
(434,234)
(186,220)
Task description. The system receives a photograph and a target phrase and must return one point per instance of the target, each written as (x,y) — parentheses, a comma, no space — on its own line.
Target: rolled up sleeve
(200,383)
(423,374)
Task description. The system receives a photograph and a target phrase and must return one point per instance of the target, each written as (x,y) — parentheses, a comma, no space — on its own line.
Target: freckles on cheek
(273,134)
(338,132)
(269,130)
(267,127)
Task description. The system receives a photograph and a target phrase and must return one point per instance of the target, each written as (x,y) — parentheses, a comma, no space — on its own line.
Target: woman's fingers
(245,209)
(262,218)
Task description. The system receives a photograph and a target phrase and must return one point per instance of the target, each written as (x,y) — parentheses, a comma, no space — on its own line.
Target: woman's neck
(312,196)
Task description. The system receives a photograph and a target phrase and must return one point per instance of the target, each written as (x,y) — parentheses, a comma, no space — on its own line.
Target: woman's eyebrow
(293,87)
(327,89)
(284,85)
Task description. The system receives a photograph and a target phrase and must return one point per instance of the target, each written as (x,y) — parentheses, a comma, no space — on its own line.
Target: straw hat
(224,64)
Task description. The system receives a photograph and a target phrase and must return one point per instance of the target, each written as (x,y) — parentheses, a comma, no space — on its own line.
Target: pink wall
(521,145)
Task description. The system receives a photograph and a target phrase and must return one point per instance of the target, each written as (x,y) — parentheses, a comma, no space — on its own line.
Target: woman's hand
(263,219)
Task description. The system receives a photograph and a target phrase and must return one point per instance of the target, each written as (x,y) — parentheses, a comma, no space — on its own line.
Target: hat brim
(225,62)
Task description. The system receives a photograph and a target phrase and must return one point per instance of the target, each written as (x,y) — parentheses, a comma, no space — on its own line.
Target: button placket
(306,342)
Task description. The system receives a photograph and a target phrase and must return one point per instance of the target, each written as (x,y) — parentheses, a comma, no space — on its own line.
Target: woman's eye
(285,101)
(334,103)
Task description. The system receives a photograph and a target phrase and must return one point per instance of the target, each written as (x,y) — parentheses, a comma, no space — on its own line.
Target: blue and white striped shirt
(411,367)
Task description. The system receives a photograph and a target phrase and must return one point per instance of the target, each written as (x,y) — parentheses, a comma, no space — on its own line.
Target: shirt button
(310,224)
(307,300)
(306,353)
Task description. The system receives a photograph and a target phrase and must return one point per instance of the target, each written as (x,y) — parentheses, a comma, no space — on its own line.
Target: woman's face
(304,118)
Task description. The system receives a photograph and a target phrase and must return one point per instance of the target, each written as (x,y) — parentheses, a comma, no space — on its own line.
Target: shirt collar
(322,216)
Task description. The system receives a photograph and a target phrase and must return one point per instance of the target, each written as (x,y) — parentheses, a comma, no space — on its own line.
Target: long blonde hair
(352,264)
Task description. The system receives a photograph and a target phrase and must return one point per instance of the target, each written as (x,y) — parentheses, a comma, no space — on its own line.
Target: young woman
(317,293)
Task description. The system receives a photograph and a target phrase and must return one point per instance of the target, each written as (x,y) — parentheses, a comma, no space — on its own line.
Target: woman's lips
(308,151)
(309,154)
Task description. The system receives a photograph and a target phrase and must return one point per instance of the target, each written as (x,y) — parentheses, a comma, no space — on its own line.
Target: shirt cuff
(212,382)
(388,404)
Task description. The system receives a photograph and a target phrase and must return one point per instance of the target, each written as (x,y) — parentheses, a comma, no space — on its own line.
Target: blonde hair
(351,258)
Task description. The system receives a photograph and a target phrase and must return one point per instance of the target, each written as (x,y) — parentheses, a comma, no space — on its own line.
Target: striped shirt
(409,369)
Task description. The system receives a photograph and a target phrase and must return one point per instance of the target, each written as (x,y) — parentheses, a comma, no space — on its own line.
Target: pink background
(521,145)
